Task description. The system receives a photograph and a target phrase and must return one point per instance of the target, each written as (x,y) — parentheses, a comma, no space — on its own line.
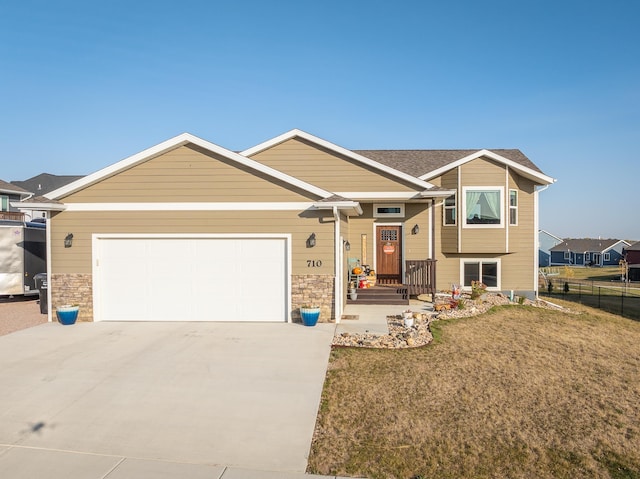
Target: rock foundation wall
(72,288)
(313,289)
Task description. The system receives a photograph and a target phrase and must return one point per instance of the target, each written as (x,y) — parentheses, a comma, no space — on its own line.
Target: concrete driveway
(238,395)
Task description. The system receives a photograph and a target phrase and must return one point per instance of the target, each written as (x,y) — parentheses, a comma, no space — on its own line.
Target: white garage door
(190,279)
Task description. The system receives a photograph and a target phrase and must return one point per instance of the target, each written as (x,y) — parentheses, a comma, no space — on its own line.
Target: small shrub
(477,289)
(521,300)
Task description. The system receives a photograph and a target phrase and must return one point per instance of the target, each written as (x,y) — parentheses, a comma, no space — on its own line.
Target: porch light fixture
(68,240)
(347,246)
(415,230)
(311,240)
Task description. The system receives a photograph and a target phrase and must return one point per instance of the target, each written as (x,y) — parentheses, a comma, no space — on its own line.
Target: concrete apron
(239,395)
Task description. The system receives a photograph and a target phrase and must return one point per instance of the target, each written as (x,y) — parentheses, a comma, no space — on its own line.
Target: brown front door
(389,254)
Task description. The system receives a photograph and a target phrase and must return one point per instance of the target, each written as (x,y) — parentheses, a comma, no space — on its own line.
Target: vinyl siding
(482,172)
(449,234)
(326,169)
(188,174)
(515,246)
(77,259)
(519,265)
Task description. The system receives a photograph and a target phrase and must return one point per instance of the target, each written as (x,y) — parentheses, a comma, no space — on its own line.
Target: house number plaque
(314,263)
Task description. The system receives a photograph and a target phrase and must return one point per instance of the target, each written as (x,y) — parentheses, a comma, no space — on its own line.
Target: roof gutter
(354,206)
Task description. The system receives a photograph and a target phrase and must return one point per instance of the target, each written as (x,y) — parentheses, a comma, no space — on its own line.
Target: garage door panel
(192,279)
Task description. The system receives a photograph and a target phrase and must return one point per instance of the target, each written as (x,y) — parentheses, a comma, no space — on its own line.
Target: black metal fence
(623,300)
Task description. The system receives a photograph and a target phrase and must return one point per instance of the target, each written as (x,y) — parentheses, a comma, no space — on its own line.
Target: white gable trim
(338,149)
(614,245)
(550,234)
(174,143)
(523,170)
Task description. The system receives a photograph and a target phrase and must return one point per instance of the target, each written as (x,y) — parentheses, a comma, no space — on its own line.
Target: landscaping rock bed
(419,334)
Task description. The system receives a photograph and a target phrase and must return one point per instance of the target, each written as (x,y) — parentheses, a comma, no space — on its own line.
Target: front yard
(516,392)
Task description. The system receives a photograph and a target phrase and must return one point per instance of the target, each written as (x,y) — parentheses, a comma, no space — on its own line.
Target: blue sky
(85,84)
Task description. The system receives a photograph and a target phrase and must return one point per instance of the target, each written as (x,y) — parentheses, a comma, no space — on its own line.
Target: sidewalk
(32,463)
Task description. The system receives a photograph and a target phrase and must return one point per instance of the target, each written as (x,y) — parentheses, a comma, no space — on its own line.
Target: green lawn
(518,392)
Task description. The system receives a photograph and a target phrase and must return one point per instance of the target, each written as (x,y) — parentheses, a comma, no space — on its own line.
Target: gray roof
(46,182)
(420,162)
(11,188)
(580,245)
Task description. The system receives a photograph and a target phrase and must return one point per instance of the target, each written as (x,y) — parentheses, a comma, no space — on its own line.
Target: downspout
(432,246)
(48,247)
(338,267)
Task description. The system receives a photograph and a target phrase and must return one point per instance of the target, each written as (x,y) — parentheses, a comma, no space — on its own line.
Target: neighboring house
(588,252)
(632,256)
(8,194)
(188,230)
(546,241)
(41,185)
(632,253)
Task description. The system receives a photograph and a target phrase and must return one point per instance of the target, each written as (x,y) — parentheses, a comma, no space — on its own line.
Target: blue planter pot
(67,315)
(310,316)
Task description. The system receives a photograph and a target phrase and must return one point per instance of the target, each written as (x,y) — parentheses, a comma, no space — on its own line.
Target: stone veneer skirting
(313,289)
(77,288)
(72,288)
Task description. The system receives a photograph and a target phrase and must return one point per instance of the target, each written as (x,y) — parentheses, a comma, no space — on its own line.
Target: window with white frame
(483,206)
(388,211)
(607,256)
(513,207)
(4,200)
(587,256)
(486,271)
(567,255)
(449,213)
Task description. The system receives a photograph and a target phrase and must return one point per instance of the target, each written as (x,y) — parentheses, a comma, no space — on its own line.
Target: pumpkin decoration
(357,270)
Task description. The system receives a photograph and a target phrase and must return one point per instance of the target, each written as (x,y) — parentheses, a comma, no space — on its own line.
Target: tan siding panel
(326,169)
(77,259)
(188,174)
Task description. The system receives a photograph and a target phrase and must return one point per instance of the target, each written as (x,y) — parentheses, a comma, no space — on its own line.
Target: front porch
(419,279)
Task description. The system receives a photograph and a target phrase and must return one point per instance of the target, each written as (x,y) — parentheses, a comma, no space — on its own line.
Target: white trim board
(523,170)
(214,206)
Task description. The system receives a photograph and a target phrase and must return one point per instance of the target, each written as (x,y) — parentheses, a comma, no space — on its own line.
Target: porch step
(388,294)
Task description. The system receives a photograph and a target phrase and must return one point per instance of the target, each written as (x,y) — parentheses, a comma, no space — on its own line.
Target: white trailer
(23,254)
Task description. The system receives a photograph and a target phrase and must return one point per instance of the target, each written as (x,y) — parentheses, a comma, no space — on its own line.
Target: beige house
(188,230)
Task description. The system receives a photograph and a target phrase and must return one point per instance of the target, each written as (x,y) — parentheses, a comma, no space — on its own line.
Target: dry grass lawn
(518,392)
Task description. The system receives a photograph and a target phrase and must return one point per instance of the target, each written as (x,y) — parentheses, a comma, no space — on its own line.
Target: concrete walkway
(372,318)
(166,400)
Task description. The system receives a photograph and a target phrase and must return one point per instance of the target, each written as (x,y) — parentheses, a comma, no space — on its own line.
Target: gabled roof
(583,245)
(176,142)
(296,133)
(634,246)
(46,182)
(429,164)
(10,188)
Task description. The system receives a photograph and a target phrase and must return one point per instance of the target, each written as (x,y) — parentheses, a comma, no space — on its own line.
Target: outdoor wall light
(415,230)
(347,246)
(68,240)
(311,240)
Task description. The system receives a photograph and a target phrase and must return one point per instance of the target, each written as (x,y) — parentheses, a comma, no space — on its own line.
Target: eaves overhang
(38,205)
(352,208)
(176,142)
